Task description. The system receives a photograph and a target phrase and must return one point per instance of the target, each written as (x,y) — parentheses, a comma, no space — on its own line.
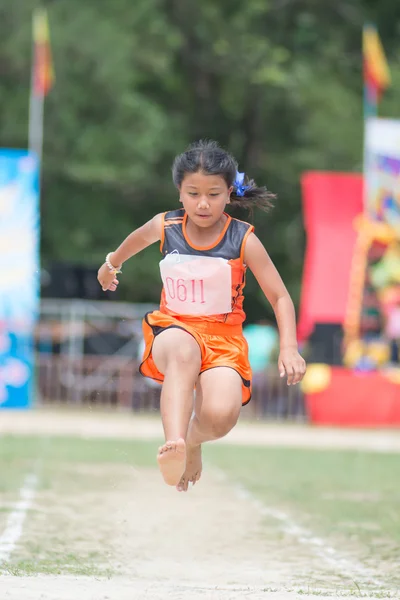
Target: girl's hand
(107,279)
(292,364)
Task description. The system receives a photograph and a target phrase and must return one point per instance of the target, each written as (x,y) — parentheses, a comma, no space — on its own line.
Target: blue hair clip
(238,184)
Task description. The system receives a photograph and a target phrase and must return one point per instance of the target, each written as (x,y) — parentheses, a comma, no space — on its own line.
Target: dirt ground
(208,544)
(69,588)
(128,425)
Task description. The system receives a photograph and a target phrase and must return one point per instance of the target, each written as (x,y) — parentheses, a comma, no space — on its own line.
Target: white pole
(36,112)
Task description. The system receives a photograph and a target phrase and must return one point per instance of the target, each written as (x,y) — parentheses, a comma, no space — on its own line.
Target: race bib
(197,285)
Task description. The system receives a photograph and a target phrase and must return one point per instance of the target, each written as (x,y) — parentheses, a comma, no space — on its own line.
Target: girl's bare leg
(217,408)
(177,356)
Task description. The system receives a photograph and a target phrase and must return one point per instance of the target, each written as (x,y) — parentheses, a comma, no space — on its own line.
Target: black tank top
(228,246)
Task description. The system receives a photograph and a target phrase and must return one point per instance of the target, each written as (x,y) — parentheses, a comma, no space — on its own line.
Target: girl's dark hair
(208,157)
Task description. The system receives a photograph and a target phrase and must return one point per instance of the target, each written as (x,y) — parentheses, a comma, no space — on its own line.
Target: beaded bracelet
(113,269)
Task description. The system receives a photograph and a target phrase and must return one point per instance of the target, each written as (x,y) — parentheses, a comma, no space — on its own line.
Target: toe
(167,447)
(197,477)
(181,485)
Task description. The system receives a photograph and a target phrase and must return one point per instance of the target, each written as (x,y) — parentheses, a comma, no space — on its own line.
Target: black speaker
(325,344)
(65,280)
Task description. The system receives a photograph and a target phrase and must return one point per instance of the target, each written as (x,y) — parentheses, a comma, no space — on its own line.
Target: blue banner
(20,281)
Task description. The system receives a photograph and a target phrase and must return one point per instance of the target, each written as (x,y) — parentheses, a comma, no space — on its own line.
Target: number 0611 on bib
(197,285)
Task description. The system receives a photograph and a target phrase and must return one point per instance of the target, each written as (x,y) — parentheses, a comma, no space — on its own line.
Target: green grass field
(88,491)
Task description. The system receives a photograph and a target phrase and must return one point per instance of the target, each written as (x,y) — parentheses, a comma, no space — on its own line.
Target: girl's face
(204,197)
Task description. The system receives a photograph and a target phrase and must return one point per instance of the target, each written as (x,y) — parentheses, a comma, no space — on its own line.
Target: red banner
(331,202)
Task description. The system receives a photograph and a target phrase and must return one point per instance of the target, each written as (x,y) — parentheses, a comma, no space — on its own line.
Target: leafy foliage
(278,82)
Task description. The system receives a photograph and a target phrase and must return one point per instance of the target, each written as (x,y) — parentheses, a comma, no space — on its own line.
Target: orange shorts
(221,345)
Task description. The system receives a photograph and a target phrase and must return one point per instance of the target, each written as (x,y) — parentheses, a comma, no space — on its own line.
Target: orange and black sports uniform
(219,337)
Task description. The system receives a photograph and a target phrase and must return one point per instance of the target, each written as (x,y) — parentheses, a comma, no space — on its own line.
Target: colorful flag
(43,73)
(376,69)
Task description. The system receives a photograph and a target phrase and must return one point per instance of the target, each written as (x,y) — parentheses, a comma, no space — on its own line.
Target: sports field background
(96,522)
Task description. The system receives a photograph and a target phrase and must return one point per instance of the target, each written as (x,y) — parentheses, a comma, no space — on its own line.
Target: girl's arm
(261,265)
(137,241)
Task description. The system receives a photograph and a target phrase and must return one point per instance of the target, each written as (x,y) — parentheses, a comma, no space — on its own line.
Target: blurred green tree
(277,82)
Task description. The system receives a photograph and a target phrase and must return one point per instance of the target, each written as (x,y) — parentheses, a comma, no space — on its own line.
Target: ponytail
(246,194)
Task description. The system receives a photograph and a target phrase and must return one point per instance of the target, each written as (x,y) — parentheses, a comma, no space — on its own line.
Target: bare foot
(193,470)
(171,459)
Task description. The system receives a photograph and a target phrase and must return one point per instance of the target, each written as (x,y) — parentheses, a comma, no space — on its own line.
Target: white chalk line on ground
(15,522)
(348,567)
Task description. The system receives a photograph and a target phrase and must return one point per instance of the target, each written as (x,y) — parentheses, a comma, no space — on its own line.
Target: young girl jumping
(195,340)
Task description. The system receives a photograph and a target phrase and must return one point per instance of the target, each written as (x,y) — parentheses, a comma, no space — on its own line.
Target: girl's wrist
(112,266)
(290,346)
